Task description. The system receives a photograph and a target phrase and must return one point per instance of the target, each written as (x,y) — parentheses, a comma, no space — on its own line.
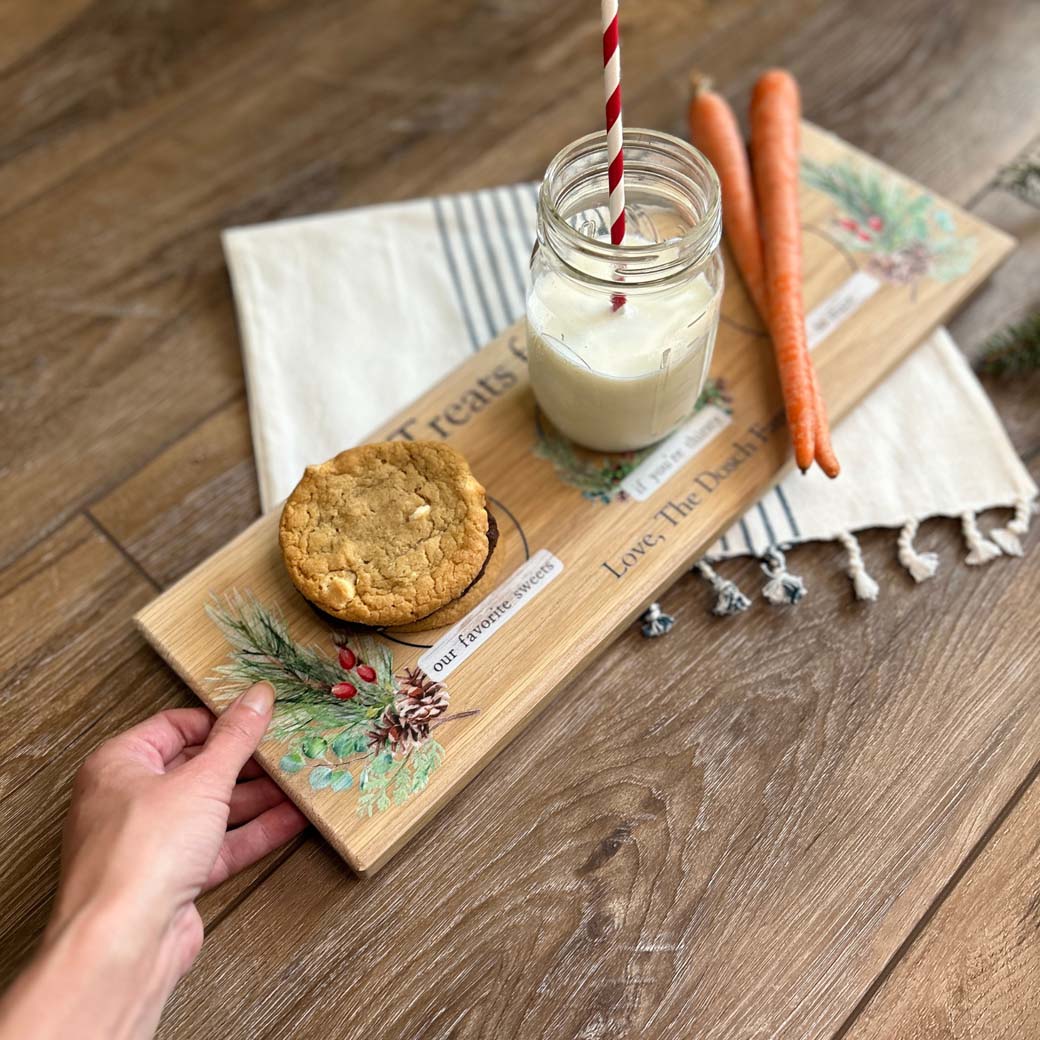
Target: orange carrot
(775,112)
(825,457)
(714,130)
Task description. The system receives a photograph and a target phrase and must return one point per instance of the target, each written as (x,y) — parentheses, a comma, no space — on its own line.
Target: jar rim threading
(650,157)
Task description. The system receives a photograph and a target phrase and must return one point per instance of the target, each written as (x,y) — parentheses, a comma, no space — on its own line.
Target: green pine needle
(331,743)
(1022,178)
(1013,350)
(302,676)
(600,477)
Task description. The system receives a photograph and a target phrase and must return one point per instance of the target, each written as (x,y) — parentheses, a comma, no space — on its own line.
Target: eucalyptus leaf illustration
(314,747)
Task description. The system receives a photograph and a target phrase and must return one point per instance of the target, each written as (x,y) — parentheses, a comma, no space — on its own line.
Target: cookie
(484,583)
(385,534)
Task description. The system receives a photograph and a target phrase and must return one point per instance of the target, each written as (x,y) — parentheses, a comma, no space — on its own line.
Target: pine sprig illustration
(345,718)
(595,478)
(1013,350)
(384,784)
(856,193)
(714,393)
(906,235)
(301,676)
(599,478)
(1022,179)
(264,652)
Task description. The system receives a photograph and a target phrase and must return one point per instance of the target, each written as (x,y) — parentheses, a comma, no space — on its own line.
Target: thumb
(237,732)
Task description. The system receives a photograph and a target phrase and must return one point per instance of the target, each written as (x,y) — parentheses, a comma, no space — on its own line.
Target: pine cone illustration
(405,724)
(903,266)
(421,699)
(388,733)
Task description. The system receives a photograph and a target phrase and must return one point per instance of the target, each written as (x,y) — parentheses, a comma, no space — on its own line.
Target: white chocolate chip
(421,511)
(341,588)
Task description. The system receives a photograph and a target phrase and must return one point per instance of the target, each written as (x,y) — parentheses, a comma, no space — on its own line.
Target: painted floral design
(905,236)
(344,716)
(599,477)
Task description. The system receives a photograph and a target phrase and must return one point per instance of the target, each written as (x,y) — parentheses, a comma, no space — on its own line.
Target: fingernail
(259,698)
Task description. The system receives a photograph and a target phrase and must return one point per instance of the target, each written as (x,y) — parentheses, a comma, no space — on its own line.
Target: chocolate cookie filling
(492,537)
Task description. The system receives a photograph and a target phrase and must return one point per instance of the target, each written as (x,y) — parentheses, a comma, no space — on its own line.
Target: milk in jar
(620,337)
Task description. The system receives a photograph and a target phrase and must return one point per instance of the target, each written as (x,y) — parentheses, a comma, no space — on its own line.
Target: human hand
(159,814)
(151,812)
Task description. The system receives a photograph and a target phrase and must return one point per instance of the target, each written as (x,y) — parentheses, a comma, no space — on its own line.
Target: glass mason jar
(619,338)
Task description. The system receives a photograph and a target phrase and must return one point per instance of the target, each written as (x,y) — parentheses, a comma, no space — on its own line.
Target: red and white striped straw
(612,93)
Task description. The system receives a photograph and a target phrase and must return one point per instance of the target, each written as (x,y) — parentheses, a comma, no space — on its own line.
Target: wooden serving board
(595,539)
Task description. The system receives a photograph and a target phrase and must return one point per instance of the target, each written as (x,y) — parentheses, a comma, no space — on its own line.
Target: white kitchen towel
(347,317)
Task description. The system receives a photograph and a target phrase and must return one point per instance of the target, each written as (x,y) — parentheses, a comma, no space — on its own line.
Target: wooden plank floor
(812,823)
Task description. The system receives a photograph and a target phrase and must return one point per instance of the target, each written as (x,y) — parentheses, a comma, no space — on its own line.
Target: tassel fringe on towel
(729,600)
(921,566)
(1009,538)
(863,584)
(782,588)
(655,622)
(980,549)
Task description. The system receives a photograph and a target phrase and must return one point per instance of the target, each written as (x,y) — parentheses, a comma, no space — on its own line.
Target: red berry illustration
(343,691)
(876,222)
(347,658)
(849,224)
(366,672)
(864,236)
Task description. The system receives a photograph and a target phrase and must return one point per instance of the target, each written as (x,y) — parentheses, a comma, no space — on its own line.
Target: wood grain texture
(170,515)
(70,679)
(112,280)
(107,150)
(23,30)
(972,971)
(59,701)
(898,74)
(42,654)
(684,845)
(111,276)
(86,79)
(595,545)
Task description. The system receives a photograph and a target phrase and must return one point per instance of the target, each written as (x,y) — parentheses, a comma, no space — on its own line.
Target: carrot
(714,130)
(775,111)
(825,457)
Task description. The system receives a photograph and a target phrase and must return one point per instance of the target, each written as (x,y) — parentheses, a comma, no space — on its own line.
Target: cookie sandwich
(395,534)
